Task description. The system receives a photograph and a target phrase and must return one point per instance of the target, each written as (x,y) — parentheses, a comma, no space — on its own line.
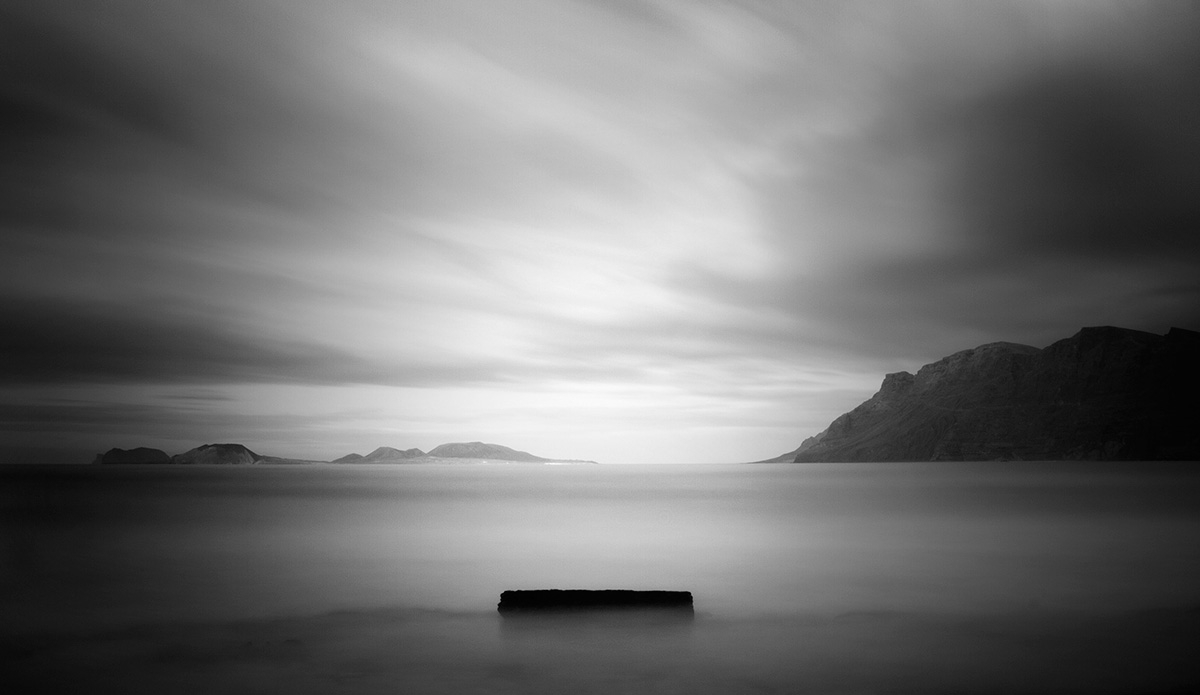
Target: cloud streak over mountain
(618,231)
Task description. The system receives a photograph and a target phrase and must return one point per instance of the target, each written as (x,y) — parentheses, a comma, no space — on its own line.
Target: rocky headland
(1103,394)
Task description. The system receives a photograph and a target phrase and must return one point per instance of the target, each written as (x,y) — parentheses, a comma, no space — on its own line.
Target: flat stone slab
(566,600)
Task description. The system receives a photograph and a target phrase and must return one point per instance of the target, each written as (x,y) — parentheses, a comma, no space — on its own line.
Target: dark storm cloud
(185,423)
(59,99)
(1068,184)
(156,123)
(1005,193)
(1090,161)
(97,97)
(91,417)
(60,341)
(54,341)
(63,86)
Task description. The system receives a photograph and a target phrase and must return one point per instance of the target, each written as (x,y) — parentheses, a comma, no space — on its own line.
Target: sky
(626,231)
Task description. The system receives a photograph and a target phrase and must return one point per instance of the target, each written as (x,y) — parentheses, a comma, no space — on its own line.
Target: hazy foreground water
(920,578)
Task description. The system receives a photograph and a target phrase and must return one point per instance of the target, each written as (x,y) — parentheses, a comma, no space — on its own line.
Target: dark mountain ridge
(1105,393)
(383,454)
(462,451)
(139,454)
(209,454)
(480,450)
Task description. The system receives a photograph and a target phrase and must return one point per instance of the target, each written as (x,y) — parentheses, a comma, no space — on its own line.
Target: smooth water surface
(936,577)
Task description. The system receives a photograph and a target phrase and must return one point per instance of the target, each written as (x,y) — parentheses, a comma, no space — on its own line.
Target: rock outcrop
(1105,393)
(222,454)
(140,454)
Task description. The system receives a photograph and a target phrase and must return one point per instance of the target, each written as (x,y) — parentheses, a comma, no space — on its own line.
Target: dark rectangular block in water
(545,600)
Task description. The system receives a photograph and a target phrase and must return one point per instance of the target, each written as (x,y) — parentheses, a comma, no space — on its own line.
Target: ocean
(1014,577)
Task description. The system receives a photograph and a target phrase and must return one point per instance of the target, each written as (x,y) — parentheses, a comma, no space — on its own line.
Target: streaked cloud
(622,231)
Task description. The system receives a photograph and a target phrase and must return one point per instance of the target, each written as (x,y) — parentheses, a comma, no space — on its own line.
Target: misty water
(924,578)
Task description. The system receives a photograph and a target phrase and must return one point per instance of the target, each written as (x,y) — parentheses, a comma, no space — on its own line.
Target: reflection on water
(615,627)
(898,578)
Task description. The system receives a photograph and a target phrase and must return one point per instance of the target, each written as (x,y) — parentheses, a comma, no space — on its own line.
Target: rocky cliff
(1104,393)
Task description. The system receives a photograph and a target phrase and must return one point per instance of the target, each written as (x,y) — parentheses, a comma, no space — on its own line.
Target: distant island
(453,452)
(204,454)
(1103,394)
(237,454)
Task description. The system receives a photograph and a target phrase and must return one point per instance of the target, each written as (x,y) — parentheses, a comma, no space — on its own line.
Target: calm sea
(921,578)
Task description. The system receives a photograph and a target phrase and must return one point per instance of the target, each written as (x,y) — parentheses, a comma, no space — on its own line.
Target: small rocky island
(1103,394)
(237,454)
(207,454)
(140,454)
(384,454)
(227,454)
(456,452)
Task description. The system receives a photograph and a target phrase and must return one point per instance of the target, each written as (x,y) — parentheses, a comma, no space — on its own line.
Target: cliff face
(1104,393)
